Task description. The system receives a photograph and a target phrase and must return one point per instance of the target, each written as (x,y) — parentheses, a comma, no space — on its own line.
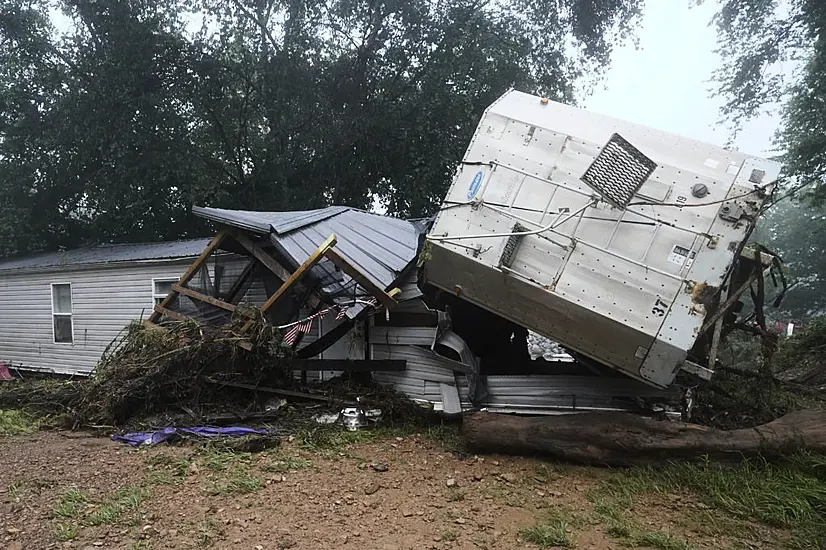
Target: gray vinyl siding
(104,301)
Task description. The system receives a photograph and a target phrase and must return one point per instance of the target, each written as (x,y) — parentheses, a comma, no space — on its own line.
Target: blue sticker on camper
(475,185)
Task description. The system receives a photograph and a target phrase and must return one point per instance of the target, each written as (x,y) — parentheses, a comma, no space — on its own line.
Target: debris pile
(150,368)
(182,372)
(153,368)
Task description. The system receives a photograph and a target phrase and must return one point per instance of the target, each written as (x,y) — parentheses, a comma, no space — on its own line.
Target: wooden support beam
(190,272)
(269,262)
(386,300)
(350,365)
(195,295)
(171,314)
(299,273)
(723,308)
(234,293)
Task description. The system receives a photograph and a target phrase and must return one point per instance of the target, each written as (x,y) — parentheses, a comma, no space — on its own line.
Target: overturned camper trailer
(622,243)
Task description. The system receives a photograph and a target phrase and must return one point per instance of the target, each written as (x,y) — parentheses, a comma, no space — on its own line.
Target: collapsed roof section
(378,247)
(287,263)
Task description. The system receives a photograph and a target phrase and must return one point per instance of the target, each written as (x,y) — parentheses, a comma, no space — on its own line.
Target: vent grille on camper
(511,246)
(619,171)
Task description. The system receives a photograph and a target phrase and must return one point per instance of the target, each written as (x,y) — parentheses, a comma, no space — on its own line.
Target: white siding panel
(104,300)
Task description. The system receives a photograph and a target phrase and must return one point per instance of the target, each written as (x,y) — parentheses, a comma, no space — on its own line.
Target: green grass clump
(106,513)
(65,531)
(70,503)
(548,534)
(221,461)
(237,482)
(623,528)
(167,470)
(790,496)
(553,531)
(16,422)
(288,464)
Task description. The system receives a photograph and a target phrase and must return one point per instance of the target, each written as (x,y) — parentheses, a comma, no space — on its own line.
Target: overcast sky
(664,84)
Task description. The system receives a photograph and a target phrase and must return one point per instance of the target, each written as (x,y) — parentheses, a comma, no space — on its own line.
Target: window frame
(70,315)
(173,280)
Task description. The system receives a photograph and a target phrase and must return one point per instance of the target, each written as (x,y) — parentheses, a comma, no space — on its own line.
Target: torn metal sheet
(536,393)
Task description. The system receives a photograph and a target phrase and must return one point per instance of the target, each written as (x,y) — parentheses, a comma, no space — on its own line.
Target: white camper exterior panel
(605,281)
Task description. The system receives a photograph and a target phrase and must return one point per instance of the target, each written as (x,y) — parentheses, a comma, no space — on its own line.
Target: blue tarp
(151,438)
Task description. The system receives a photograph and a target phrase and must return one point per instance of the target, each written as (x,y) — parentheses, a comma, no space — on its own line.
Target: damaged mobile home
(624,244)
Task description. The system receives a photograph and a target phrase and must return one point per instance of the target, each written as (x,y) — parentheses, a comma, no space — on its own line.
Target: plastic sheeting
(136,439)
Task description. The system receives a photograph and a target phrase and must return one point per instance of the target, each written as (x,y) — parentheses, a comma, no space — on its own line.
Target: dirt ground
(70,490)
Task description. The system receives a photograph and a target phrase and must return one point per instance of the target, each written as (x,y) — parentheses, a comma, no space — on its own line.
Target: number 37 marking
(659,308)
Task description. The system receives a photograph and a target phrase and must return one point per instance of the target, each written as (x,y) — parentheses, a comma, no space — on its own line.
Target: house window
(62,313)
(161,288)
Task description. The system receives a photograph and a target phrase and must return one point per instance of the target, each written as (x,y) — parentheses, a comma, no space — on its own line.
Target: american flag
(304,326)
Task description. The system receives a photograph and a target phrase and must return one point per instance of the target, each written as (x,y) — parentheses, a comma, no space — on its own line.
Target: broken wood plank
(299,273)
(286,393)
(269,262)
(351,365)
(386,300)
(190,272)
(171,314)
(194,294)
(626,439)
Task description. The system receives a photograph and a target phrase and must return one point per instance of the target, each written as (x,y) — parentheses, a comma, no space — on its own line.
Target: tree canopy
(774,56)
(117,115)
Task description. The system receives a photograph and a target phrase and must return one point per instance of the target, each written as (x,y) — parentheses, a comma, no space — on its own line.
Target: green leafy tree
(775,56)
(113,126)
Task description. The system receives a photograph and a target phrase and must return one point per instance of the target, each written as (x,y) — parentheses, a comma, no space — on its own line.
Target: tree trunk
(622,439)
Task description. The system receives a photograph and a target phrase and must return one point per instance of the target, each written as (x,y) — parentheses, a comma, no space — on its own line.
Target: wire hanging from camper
(757,189)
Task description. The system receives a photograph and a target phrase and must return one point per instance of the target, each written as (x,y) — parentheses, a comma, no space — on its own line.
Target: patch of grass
(70,503)
(125,500)
(178,466)
(623,528)
(65,531)
(163,477)
(554,530)
(106,513)
(131,497)
(220,461)
(449,535)
(661,540)
(717,523)
(288,464)
(17,422)
(15,489)
(455,495)
(239,481)
(167,470)
(790,496)
(446,436)
(550,533)
(335,438)
(546,473)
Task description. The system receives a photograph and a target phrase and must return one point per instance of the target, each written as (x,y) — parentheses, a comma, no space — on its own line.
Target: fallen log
(623,439)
